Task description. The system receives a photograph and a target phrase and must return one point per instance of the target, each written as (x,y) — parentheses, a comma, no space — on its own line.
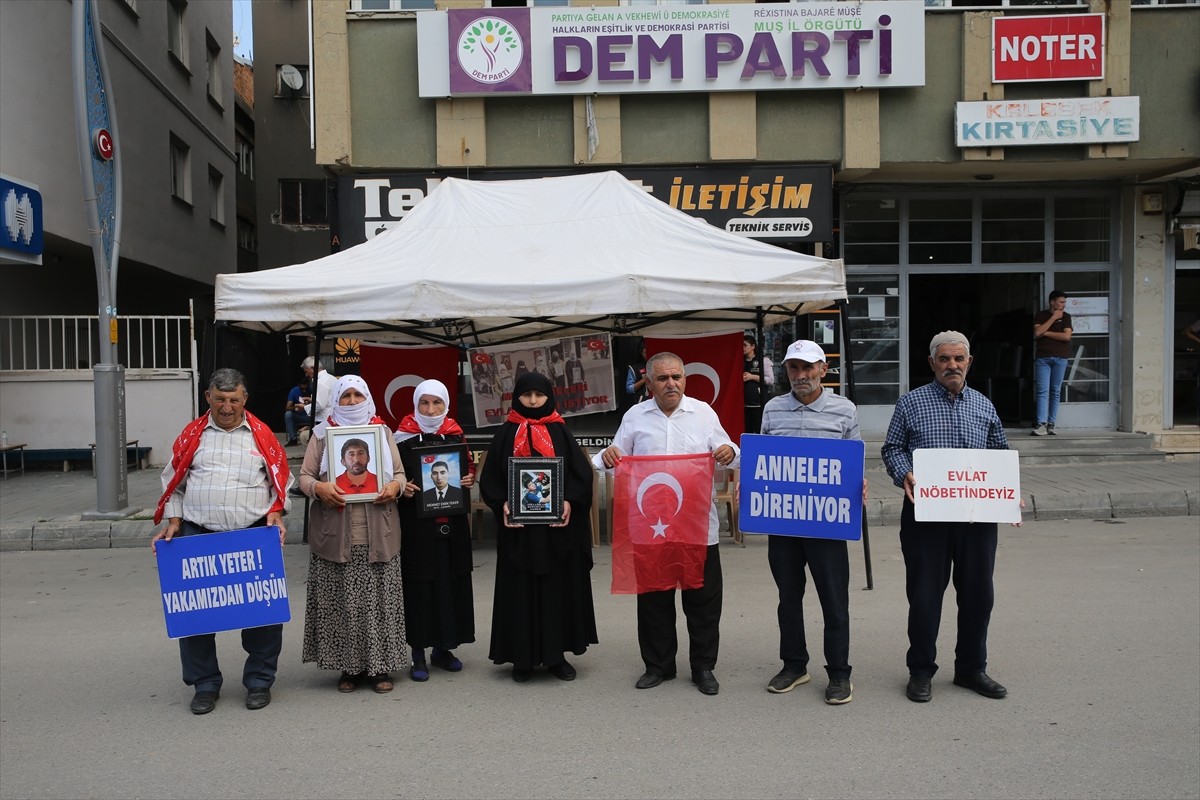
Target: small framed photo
(535,490)
(352,459)
(440,469)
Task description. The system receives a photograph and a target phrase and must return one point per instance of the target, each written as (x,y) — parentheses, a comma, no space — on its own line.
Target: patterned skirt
(354,618)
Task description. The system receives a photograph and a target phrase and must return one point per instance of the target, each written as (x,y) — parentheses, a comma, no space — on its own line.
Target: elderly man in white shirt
(674,424)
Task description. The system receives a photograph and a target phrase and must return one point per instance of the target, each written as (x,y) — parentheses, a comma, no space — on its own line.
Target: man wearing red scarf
(227,472)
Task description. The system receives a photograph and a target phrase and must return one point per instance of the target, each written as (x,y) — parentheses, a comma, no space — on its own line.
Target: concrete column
(461,132)
(977,74)
(1116,67)
(606,108)
(860,129)
(331,84)
(732,126)
(1143,301)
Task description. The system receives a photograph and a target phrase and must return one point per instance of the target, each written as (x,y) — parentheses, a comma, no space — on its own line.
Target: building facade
(966,183)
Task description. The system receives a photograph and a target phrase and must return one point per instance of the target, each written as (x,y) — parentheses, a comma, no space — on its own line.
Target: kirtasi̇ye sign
(1073,120)
(785,203)
(670,48)
(1054,47)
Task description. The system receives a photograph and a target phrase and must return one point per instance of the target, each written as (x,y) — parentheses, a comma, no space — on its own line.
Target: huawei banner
(579,367)
(713,366)
(393,371)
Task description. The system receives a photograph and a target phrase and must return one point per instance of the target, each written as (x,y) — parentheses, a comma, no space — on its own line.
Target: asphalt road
(1096,633)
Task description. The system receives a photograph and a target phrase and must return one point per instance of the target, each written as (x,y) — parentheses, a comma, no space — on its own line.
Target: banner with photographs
(579,367)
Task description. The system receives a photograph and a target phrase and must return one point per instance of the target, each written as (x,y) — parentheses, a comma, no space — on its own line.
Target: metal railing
(66,343)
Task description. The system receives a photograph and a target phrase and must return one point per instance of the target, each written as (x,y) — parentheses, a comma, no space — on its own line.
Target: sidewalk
(41,510)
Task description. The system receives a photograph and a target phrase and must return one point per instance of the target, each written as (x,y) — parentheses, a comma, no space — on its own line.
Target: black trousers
(934,554)
(198,654)
(829,562)
(702,607)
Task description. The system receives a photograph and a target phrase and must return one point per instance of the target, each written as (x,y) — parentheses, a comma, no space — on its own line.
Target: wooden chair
(726,495)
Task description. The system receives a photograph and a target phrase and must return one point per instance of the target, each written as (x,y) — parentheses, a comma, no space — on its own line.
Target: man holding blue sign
(945,414)
(227,472)
(811,412)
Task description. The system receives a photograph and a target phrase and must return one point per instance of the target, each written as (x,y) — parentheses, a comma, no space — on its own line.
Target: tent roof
(488,262)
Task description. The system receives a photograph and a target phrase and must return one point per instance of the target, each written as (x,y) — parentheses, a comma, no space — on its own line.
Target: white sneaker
(1040,430)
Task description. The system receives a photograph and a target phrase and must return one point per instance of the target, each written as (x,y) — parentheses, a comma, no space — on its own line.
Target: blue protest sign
(222,581)
(794,486)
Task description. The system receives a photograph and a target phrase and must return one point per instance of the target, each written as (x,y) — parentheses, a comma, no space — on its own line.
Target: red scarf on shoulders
(448,427)
(536,428)
(185,447)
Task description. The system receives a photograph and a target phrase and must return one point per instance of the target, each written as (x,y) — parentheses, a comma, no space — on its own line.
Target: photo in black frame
(440,470)
(535,490)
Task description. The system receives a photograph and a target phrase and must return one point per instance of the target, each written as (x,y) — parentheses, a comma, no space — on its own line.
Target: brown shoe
(382,683)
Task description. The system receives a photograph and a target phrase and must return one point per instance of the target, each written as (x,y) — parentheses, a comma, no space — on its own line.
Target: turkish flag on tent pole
(393,371)
(660,522)
(713,366)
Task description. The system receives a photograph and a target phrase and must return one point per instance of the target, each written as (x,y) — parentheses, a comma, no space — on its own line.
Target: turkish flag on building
(660,522)
(393,371)
(713,366)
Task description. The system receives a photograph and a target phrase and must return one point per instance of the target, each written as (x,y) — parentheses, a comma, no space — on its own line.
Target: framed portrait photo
(352,460)
(440,469)
(535,490)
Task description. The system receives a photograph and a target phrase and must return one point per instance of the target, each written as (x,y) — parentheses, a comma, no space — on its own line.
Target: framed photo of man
(535,490)
(352,459)
(440,474)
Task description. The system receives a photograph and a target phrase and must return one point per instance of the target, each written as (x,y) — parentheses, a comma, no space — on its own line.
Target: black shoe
(445,659)
(705,681)
(980,683)
(521,674)
(920,689)
(651,679)
(788,679)
(204,702)
(291,443)
(562,670)
(839,691)
(257,698)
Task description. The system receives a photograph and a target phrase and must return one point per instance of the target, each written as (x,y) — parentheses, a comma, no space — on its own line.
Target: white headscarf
(434,389)
(357,414)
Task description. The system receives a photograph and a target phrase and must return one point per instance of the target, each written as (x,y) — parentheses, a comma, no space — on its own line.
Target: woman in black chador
(543,602)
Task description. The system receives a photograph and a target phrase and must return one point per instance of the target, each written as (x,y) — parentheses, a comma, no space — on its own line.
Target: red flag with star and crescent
(393,371)
(713,366)
(660,522)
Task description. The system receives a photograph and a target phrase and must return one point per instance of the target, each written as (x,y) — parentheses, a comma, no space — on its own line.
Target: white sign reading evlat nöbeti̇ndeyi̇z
(670,48)
(798,486)
(966,485)
(1072,120)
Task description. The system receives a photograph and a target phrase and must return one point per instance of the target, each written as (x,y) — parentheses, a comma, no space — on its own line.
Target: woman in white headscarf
(354,619)
(436,557)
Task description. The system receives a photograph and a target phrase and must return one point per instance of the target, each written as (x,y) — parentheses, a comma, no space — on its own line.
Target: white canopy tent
(489,262)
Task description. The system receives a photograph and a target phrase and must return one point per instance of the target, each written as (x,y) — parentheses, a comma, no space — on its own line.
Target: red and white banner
(579,368)
(660,522)
(713,366)
(393,371)
(1052,47)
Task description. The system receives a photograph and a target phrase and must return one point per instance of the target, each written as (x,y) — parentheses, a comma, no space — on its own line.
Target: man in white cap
(323,394)
(810,411)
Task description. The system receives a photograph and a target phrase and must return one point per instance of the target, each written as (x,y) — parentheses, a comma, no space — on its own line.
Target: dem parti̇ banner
(579,367)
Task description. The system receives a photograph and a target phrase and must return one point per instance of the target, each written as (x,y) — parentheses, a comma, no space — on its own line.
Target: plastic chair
(725,481)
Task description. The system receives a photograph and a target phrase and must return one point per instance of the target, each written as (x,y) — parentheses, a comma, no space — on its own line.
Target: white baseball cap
(804,350)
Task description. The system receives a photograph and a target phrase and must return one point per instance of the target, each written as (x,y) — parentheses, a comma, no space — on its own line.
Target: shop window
(1013,231)
(871,231)
(873,325)
(939,231)
(1088,302)
(304,202)
(1082,229)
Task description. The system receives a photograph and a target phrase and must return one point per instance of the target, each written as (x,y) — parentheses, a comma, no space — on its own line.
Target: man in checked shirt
(227,472)
(945,414)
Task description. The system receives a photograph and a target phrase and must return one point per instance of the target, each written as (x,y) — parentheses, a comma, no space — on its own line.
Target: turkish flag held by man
(393,371)
(713,366)
(660,522)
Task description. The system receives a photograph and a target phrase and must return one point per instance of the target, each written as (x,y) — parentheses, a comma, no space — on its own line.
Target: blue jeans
(292,420)
(1048,374)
